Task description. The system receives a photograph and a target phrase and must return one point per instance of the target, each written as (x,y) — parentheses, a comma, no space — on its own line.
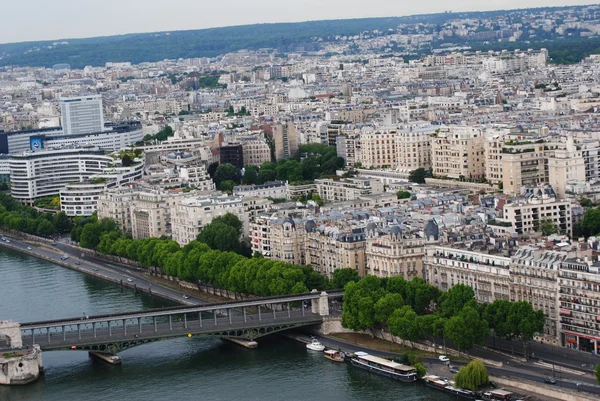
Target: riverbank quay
(513,378)
(125,276)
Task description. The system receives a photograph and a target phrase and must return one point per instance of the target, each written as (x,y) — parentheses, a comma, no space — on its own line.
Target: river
(183,369)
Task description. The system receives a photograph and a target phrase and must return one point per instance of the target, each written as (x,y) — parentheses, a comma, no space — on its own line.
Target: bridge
(247,319)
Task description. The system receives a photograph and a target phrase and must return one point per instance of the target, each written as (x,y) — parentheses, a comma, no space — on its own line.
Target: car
(186,296)
(549,380)
(77,263)
(29,248)
(453,369)
(95,270)
(130,280)
(7,241)
(444,358)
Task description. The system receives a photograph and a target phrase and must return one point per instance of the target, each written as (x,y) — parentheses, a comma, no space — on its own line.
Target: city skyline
(60,20)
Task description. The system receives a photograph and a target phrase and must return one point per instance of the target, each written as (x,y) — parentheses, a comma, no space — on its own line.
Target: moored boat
(384,367)
(336,356)
(315,345)
(447,386)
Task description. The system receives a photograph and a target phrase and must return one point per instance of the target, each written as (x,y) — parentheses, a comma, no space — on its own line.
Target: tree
(61,222)
(358,311)
(522,321)
(421,369)
(472,376)
(547,227)
(386,305)
(404,323)
(496,315)
(454,300)
(227,186)
(226,172)
(420,295)
(250,175)
(90,235)
(432,325)
(467,329)
(220,236)
(418,176)
(597,373)
(45,228)
(212,169)
(266,176)
(341,277)
(403,194)
(590,225)
(126,160)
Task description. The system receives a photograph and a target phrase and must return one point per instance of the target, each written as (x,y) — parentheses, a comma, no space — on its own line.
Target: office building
(81,114)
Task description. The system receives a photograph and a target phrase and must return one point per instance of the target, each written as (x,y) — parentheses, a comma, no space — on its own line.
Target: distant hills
(211,42)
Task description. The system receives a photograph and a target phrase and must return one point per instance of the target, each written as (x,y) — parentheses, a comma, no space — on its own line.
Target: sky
(59,19)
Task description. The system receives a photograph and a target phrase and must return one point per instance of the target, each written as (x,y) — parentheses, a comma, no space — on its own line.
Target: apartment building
(286,140)
(271,189)
(256,151)
(149,215)
(328,249)
(348,147)
(493,160)
(566,165)
(526,214)
(413,147)
(45,173)
(458,152)
(534,277)
(378,149)
(397,253)
(197,177)
(192,213)
(287,238)
(488,274)
(579,297)
(523,165)
(347,189)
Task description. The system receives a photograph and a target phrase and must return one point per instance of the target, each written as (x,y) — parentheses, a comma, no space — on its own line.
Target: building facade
(82,114)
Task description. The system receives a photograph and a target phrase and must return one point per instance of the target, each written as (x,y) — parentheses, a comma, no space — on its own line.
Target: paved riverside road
(98,268)
(233,325)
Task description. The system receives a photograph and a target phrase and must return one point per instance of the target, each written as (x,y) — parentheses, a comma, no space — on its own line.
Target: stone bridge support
(11,330)
(320,305)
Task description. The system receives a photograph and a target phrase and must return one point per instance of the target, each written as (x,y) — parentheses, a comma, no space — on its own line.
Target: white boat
(384,367)
(315,345)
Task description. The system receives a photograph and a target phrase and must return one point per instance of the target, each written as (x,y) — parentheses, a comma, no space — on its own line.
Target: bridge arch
(11,333)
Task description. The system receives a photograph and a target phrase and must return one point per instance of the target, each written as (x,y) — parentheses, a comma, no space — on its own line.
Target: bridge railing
(178,310)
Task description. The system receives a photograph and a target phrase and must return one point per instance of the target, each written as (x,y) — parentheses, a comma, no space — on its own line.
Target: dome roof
(395,230)
(309,226)
(371,226)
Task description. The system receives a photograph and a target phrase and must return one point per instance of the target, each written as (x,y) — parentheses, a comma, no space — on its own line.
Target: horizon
(460,7)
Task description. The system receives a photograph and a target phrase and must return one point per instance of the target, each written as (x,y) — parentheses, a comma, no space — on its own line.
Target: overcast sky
(25,20)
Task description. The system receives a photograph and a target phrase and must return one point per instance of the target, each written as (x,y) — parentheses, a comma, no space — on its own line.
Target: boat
(333,355)
(447,386)
(384,367)
(315,345)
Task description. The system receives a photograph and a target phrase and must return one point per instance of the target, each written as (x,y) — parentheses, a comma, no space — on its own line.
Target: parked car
(444,358)
(453,369)
(186,296)
(549,380)
(29,248)
(130,280)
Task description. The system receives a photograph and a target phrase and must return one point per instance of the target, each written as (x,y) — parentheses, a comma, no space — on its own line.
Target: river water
(177,369)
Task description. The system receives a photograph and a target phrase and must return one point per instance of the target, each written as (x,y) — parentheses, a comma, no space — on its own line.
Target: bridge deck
(226,326)
(177,310)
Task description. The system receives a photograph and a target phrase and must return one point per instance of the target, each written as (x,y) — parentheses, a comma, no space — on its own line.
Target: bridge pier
(19,366)
(185,321)
(320,305)
(200,318)
(259,317)
(170,322)
(244,312)
(140,325)
(93,326)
